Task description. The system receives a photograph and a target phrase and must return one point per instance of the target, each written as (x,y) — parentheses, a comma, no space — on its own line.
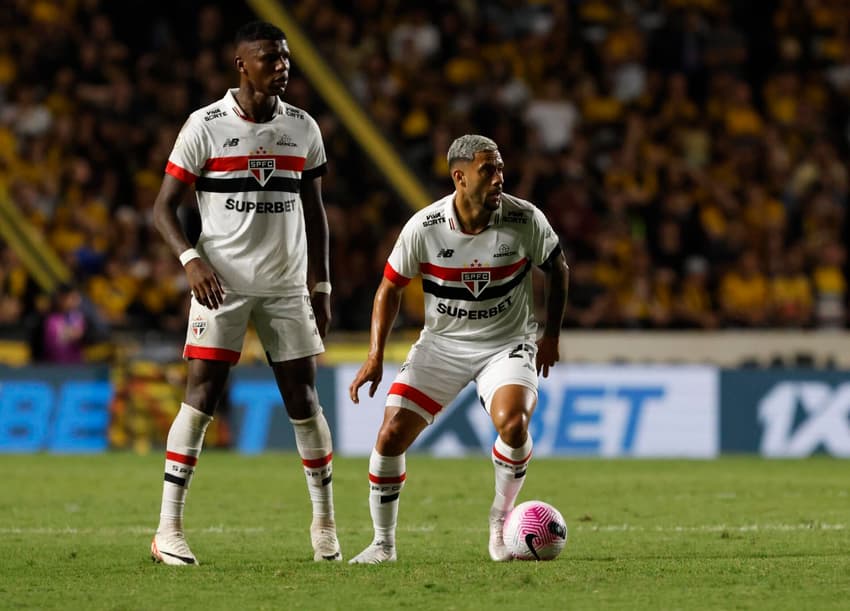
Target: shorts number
(517,353)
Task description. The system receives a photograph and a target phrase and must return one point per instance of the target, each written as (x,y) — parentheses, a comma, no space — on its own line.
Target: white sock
(510,465)
(386,479)
(185,439)
(313,439)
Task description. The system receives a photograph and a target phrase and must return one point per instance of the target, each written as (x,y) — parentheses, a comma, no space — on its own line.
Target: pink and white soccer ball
(535,530)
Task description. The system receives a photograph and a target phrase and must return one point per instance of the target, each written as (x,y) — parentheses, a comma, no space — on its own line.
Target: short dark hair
(258,30)
(465,147)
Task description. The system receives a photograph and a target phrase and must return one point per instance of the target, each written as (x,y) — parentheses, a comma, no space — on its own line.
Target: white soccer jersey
(477,287)
(247,179)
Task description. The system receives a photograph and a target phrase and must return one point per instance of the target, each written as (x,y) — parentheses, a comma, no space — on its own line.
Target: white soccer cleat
(171,548)
(377,553)
(497,548)
(325,543)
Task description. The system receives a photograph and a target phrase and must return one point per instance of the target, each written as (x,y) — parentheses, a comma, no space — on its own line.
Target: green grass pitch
(734,533)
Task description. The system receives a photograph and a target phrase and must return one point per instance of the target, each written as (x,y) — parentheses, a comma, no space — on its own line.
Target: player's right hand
(204,283)
(371,371)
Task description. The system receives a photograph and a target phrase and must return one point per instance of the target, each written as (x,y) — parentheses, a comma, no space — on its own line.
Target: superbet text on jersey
(247,179)
(477,287)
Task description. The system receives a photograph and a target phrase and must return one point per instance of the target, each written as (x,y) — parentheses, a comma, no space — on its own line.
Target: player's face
(485,179)
(266,64)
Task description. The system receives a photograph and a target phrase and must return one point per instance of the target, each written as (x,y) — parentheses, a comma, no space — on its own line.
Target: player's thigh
(205,383)
(508,381)
(218,335)
(287,328)
(430,379)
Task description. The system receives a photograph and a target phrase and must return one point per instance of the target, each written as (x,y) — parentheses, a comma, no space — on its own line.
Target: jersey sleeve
(317,160)
(403,262)
(544,241)
(190,152)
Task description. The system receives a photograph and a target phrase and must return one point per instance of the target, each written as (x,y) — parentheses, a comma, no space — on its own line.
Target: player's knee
(393,439)
(301,407)
(389,441)
(301,401)
(204,396)
(513,429)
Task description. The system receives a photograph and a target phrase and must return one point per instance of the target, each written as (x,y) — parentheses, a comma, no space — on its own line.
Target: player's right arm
(384,312)
(202,280)
(402,265)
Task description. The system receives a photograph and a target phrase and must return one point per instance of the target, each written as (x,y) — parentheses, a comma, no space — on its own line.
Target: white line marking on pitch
(605,528)
(711,527)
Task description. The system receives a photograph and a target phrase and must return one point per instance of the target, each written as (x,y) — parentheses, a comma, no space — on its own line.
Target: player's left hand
(371,371)
(547,354)
(321,303)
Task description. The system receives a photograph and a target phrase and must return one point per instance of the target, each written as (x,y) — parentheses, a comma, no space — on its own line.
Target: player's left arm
(555,283)
(318,267)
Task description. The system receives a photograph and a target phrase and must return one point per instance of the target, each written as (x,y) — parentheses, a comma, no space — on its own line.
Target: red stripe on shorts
(210,354)
(182,458)
(417,396)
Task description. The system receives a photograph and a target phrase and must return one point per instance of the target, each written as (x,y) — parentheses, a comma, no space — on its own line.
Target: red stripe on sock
(317,462)
(182,458)
(508,460)
(387,480)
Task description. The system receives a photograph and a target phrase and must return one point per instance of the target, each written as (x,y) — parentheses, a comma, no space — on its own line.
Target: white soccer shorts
(435,372)
(286,327)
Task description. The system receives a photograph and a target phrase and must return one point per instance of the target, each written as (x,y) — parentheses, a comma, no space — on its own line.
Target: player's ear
(240,64)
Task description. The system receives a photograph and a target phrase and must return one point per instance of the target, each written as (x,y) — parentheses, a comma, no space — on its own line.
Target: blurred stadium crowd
(692,154)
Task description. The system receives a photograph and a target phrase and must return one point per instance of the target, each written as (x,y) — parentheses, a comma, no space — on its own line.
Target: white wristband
(322,287)
(187,255)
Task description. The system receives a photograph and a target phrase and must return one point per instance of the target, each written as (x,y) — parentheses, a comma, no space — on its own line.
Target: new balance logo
(231,142)
(445,253)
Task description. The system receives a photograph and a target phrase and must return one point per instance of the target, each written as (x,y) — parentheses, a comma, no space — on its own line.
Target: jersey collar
(237,110)
(454,224)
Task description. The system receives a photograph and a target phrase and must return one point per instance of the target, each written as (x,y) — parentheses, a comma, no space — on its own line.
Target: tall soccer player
(474,250)
(256,164)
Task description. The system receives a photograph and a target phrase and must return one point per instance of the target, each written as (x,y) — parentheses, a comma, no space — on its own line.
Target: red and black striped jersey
(247,179)
(477,287)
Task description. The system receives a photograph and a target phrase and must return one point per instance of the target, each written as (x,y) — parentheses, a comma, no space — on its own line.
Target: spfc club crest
(261,169)
(475,281)
(198,327)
